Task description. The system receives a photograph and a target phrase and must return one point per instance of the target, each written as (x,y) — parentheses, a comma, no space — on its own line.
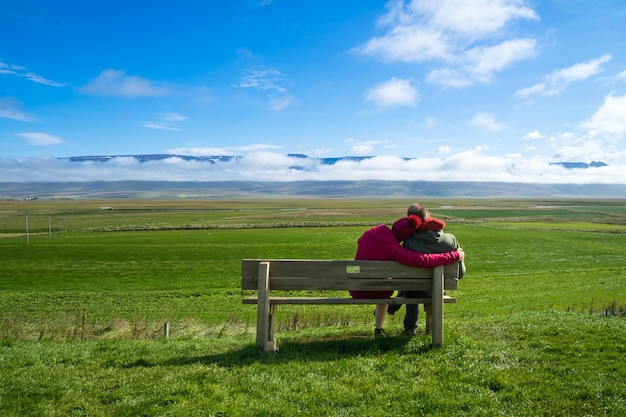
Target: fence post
(27,237)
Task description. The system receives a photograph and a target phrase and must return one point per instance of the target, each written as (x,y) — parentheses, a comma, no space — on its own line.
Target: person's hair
(418,210)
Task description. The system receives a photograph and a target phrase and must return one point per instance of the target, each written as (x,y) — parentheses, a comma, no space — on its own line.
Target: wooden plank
(347,301)
(342,268)
(338,284)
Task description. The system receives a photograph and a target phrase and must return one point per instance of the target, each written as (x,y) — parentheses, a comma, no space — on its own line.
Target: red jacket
(380,244)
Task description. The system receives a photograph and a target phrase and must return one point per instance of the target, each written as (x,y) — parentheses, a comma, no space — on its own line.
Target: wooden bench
(266,275)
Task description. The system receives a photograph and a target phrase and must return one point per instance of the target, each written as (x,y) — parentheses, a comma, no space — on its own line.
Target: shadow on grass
(299,351)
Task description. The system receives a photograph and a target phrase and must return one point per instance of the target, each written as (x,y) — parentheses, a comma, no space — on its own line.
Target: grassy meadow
(539,328)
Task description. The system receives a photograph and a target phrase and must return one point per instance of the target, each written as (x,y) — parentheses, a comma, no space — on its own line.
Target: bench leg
(437,307)
(428,309)
(265,311)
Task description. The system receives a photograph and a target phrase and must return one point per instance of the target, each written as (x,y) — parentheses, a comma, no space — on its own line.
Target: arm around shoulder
(427,260)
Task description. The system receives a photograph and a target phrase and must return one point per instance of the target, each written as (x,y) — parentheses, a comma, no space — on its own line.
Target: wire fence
(27,224)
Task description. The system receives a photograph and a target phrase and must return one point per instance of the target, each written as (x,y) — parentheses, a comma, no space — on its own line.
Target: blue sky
(472,90)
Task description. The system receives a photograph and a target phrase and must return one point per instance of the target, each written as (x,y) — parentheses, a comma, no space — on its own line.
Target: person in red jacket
(380,243)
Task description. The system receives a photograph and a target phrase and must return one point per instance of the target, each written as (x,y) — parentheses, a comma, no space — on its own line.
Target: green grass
(539,327)
(527,364)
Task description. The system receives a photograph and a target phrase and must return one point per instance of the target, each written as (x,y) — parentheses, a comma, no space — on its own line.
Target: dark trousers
(412,310)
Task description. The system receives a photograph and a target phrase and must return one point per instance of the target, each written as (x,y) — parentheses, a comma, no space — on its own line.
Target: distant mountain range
(331,189)
(323,161)
(584,165)
(213,159)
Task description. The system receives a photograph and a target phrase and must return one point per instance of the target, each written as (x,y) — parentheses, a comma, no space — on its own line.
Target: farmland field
(86,287)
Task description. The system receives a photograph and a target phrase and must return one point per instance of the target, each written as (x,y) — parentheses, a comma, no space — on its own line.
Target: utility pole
(27,237)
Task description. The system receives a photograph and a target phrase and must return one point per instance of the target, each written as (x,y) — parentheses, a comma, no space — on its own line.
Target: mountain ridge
(324,161)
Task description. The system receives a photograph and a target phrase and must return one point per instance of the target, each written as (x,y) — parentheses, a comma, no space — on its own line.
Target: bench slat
(331,300)
(330,284)
(341,268)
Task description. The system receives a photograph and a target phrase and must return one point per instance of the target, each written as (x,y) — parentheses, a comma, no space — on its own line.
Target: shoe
(379,333)
(410,332)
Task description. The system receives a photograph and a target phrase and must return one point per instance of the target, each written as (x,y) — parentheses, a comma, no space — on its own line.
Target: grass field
(539,328)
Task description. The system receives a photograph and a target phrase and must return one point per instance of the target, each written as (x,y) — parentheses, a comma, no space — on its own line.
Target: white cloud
(487,121)
(588,148)
(10,68)
(19,71)
(200,151)
(40,139)
(476,19)
(172,117)
(466,39)
(36,78)
(557,81)
(469,165)
(482,62)
(596,139)
(154,125)
(478,65)
(534,135)
(115,83)
(580,71)
(408,44)
(11,108)
(537,89)
(263,78)
(365,147)
(610,118)
(394,92)
(279,104)
(237,150)
(255,147)
(449,77)
(319,151)
(165,121)
(245,53)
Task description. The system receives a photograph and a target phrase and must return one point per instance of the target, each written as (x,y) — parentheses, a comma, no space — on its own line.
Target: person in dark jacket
(381,243)
(428,237)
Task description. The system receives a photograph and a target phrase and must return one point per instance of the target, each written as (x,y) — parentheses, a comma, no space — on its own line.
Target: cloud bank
(472,165)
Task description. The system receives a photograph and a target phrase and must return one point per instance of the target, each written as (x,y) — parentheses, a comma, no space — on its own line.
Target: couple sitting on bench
(425,244)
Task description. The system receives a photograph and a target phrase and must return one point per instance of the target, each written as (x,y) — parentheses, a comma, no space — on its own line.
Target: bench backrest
(303,274)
